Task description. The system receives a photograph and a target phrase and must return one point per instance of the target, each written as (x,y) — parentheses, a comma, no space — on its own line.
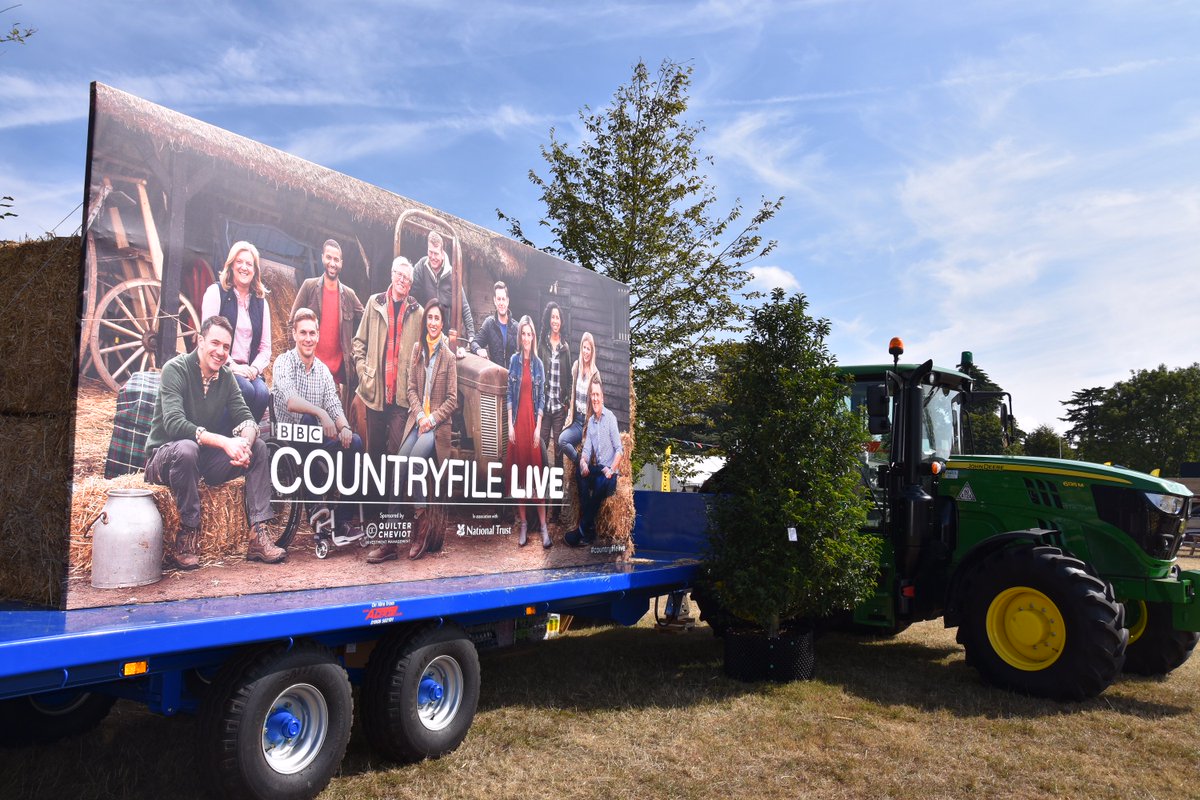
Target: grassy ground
(633,713)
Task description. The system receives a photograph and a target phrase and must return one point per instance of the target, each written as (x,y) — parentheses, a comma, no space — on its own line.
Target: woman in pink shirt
(240,296)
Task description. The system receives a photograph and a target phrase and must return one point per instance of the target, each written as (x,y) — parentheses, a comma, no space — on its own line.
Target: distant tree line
(1149,421)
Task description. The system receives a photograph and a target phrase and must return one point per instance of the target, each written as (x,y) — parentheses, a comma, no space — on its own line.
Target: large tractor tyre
(419,693)
(46,718)
(1038,622)
(1155,647)
(275,724)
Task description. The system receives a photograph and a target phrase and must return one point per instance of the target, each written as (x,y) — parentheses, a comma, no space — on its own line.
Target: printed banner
(291,379)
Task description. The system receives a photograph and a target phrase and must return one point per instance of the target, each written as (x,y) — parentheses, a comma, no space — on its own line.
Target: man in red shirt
(338,310)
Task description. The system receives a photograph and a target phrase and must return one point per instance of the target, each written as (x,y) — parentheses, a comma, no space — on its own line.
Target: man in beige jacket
(382,348)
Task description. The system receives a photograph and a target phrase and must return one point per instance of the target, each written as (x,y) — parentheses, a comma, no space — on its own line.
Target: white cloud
(1052,274)
(766,278)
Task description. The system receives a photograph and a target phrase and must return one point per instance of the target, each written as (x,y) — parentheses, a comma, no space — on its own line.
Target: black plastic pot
(753,656)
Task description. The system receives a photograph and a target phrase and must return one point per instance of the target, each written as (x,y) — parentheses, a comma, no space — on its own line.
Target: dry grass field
(634,713)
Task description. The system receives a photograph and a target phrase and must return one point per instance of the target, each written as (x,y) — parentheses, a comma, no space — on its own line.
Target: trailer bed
(44,650)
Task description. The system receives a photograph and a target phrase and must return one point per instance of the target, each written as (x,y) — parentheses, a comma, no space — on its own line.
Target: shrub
(795,454)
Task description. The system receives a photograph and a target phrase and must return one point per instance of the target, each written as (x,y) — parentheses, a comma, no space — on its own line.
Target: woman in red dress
(526,399)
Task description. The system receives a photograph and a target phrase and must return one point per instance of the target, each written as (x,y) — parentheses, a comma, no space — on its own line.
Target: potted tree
(786,539)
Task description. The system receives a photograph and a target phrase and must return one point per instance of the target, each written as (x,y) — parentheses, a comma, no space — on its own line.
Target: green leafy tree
(1150,421)
(1086,414)
(1044,441)
(795,454)
(629,200)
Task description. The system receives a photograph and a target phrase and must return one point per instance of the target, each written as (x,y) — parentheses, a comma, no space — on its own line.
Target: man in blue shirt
(305,393)
(597,475)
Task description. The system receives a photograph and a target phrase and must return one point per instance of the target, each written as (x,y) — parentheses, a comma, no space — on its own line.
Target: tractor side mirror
(878,409)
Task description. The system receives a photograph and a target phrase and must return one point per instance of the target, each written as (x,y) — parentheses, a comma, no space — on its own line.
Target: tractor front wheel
(1039,622)
(1155,647)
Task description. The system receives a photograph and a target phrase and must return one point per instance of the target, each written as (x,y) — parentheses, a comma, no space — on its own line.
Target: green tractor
(1058,574)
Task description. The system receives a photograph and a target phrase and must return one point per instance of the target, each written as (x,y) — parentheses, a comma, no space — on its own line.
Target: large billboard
(291,379)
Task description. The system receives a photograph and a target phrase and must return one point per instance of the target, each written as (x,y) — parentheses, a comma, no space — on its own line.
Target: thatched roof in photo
(164,130)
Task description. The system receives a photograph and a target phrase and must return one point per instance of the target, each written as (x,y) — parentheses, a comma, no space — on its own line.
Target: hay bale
(223,527)
(34,498)
(614,522)
(39,321)
(282,290)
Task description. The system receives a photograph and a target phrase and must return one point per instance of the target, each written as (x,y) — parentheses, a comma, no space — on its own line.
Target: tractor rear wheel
(1155,647)
(1039,622)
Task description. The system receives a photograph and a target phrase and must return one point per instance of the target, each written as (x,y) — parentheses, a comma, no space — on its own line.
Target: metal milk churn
(127,546)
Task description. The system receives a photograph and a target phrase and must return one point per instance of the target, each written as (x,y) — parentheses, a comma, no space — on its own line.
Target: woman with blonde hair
(582,372)
(240,297)
(526,404)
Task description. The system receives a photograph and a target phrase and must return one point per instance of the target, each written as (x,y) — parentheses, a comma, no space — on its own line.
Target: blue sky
(1019,179)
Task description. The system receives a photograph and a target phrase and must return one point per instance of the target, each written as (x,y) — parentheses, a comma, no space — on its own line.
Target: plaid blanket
(131,426)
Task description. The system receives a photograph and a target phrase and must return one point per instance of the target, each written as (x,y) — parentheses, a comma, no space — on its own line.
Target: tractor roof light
(896,347)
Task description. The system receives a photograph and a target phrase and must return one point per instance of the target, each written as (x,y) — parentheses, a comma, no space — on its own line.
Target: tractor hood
(1082,470)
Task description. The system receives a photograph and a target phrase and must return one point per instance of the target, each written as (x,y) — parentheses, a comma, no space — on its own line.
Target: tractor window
(940,439)
(878,447)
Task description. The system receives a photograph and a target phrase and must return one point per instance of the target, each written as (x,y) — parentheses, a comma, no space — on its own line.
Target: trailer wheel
(1038,622)
(276,724)
(420,693)
(48,717)
(1155,647)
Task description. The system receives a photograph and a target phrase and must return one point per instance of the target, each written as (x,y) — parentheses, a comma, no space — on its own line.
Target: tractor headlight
(1166,503)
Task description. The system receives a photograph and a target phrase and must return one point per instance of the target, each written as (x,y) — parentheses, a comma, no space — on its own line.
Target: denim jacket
(538,376)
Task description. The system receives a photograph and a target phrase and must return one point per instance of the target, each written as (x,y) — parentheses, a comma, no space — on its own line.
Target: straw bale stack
(33,450)
(39,317)
(223,527)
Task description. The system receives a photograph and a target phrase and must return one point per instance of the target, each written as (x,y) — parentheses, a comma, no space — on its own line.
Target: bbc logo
(295,432)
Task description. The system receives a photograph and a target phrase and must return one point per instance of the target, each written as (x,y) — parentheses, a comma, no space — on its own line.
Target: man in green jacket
(183,447)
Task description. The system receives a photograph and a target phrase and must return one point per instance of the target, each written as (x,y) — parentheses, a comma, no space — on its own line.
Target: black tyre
(45,718)
(275,724)
(286,505)
(420,693)
(1038,622)
(1155,647)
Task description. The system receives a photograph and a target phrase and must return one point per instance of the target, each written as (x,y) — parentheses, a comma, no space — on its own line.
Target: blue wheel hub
(281,726)
(430,691)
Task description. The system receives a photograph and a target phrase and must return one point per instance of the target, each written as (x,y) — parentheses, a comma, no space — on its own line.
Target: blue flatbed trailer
(60,668)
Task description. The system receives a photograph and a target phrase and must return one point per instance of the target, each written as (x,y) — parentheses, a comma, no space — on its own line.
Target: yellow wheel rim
(1141,617)
(1026,629)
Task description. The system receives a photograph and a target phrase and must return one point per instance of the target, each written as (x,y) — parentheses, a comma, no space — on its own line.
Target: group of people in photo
(394,355)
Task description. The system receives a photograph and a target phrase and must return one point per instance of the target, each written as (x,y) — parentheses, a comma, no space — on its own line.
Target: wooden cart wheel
(125,328)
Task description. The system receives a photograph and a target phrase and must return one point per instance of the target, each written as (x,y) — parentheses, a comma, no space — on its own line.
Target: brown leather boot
(420,540)
(383,552)
(261,547)
(185,554)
